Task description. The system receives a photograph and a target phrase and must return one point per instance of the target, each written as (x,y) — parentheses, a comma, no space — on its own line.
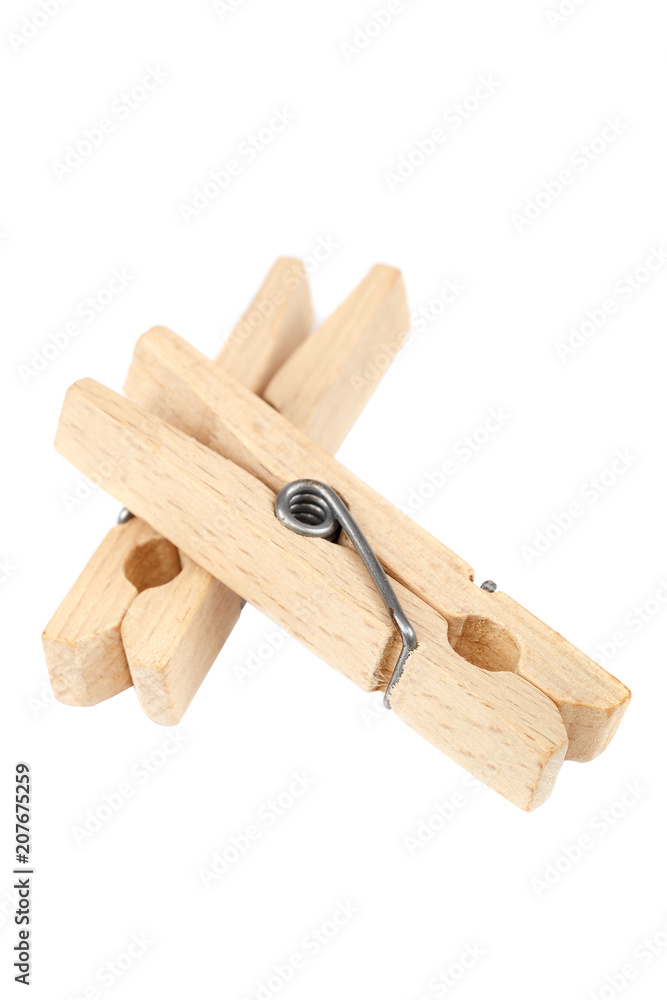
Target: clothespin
(144,613)
(258,504)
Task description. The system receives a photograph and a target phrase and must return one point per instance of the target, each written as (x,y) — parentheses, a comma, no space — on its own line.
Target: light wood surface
(330,377)
(490,630)
(498,725)
(172,635)
(275,324)
(167,661)
(91,644)
(82,642)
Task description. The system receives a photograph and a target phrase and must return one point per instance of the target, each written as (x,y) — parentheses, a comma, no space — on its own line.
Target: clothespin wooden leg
(497,724)
(325,384)
(82,642)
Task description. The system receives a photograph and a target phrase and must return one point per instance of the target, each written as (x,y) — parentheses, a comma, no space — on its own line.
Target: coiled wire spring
(311,508)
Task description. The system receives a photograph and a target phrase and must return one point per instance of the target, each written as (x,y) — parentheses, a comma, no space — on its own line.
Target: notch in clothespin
(226,476)
(142,612)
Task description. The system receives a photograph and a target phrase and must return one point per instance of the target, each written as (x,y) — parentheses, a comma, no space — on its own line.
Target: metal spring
(311,508)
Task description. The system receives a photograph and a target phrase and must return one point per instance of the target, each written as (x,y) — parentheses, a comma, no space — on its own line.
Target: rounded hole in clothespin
(152,564)
(485,643)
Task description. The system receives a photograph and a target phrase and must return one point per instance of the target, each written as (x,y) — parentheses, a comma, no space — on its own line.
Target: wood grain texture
(172,634)
(344,360)
(498,725)
(490,630)
(88,658)
(167,678)
(168,664)
(276,323)
(82,642)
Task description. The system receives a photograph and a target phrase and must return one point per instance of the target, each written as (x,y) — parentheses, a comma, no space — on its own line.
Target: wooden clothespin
(144,613)
(224,476)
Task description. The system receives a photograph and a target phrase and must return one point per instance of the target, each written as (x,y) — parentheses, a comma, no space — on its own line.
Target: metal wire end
(124,516)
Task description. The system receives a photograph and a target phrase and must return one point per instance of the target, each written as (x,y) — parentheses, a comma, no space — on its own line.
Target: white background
(475,885)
